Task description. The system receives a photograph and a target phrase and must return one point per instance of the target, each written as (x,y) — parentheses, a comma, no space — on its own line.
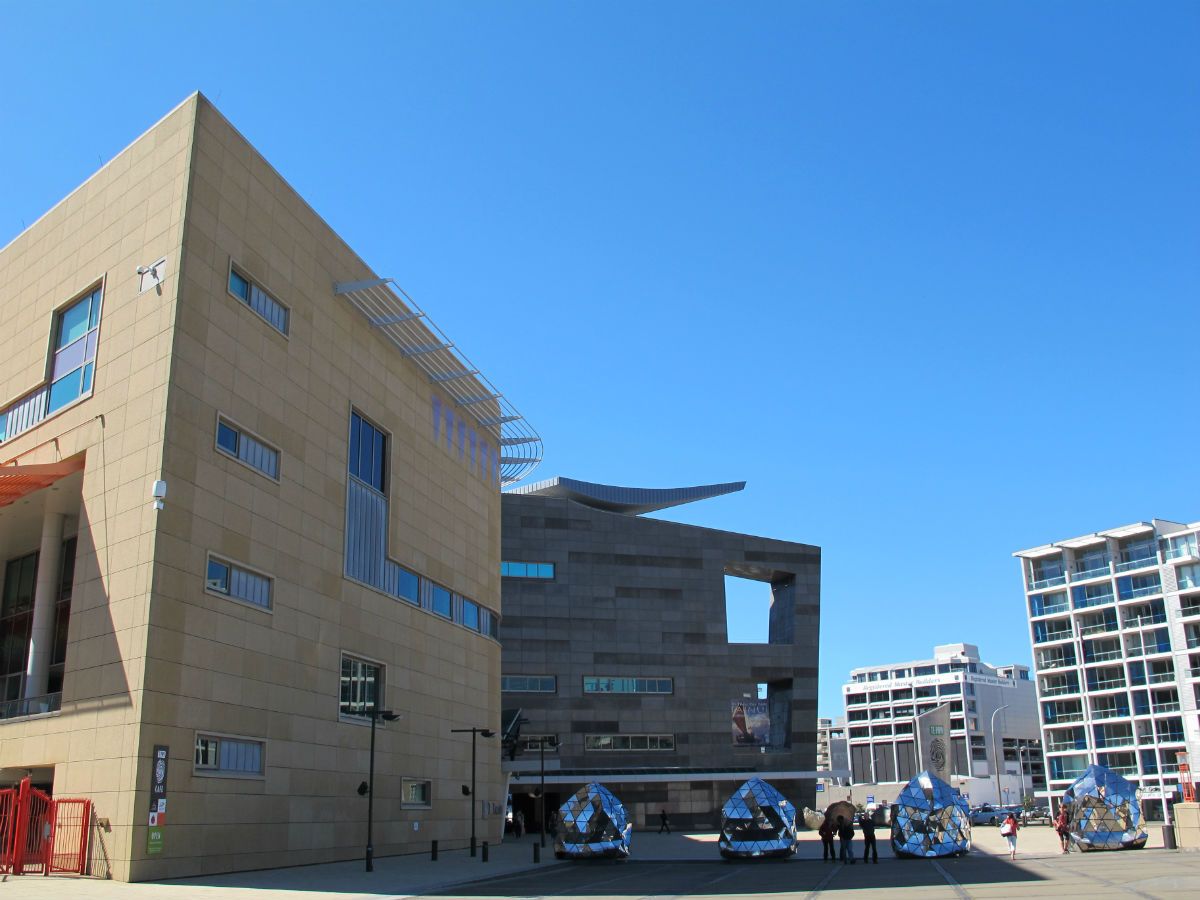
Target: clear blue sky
(925,274)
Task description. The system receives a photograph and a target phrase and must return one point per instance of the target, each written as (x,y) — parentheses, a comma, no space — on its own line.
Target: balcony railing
(1064,718)
(1106,684)
(1124,770)
(1109,713)
(1148,591)
(1066,774)
(1060,746)
(1130,564)
(1184,551)
(30,706)
(1057,608)
(1097,628)
(1049,636)
(1160,677)
(1165,707)
(1170,768)
(1057,662)
(1060,689)
(1102,656)
(1186,611)
(1143,621)
(1193,641)
(1095,572)
(1103,742)
(1052,581)
(1145,738)
(1089,602)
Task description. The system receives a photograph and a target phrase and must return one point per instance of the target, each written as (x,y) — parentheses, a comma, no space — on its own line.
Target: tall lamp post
(474,732)
(996,754)
(543,740)
(388,716)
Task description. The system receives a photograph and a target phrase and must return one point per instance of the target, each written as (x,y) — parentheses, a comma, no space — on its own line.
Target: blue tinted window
(238,286)
(65,390)
(368,450)
(409,586)
(227,438)
(470,615)
(74,322)
(440,600)
(509,569)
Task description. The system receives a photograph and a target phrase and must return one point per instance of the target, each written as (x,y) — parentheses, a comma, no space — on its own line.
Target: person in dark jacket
(826,831)
(868,833)
(665,823)
(846,834)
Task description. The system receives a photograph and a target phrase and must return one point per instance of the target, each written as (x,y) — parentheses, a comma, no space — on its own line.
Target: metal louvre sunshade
(757,821)
(1104,811)
(930,819)
(418,339)
(592,823)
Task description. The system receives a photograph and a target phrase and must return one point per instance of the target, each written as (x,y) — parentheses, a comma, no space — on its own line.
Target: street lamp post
(474,732)
(388,716)
(996,753)
(543,740)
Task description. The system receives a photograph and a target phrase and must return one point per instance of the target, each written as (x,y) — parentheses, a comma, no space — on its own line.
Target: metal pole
(542,754)
(371,796)
(474,734)
(996,754)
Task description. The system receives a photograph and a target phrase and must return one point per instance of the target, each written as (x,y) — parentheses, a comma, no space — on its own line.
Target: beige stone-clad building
(183,331)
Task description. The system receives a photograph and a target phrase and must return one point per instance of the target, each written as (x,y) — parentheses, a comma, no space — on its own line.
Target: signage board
(933,744)
(870,798)
(750,723)
(158,799)
(820,787)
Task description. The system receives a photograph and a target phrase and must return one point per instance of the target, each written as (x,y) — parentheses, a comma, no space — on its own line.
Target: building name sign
(929,681)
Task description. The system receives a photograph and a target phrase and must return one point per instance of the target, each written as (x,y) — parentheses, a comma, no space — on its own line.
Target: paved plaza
(684,866)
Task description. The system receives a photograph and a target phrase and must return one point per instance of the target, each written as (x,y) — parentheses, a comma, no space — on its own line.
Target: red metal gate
(40,834)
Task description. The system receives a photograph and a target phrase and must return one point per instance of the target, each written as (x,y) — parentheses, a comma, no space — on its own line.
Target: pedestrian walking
(868,833)
(1008,830)
(519,824)
(827,831)
(846,834)
(665,823)
(1062,825)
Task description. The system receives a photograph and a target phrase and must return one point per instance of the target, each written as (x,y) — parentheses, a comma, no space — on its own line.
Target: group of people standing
(843,830)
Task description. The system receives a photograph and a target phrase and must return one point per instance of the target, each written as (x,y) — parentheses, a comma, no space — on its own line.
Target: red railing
(39,834)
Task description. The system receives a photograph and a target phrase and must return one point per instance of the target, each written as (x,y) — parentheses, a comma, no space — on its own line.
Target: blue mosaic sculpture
(929,819)
(757,821)
(1103,811)
(592,823)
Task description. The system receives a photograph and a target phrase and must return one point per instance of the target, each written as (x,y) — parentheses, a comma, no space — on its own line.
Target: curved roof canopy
(628,500)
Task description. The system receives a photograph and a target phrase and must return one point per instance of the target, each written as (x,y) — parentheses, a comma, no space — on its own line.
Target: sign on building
(750,721)
(933,741)
(158,800)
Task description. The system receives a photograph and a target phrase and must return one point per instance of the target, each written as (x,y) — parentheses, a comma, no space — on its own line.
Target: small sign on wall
(158,800)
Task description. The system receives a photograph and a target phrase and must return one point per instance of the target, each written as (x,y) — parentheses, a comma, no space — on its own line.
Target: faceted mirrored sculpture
(1103,810)
(757,821)
(592,823)
(930,818)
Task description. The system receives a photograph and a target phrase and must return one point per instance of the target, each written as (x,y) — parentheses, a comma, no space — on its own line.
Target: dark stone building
(615,644)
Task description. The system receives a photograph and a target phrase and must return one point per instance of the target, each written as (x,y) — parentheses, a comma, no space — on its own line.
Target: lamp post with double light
(388,716)
(474,732)
(996,754)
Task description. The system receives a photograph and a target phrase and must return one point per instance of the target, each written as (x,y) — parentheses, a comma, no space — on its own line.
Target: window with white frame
(416,793)
(271,310)
(237,582)
(221,755)
(361,687)
(232,440)
(75,334)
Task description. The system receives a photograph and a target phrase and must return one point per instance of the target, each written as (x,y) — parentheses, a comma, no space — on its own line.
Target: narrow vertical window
(73,367)
(368,452)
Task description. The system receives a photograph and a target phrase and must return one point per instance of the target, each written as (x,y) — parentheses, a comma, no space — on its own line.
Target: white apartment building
(883,701)
(1114,619)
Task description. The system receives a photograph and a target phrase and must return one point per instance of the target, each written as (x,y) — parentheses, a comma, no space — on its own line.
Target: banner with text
(751,722)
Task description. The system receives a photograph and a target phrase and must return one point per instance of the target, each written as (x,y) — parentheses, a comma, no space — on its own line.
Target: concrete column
(45,596)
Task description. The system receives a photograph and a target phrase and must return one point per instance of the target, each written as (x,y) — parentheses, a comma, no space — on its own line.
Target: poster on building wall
(751,722)
(158,800)
(933,741)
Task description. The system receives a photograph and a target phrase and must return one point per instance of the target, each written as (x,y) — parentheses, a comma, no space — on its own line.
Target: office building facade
(616,646)
(1114,621)
(248,494)
(884,701)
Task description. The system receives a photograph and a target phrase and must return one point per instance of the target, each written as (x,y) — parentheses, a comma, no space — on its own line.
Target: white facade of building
(1114,619)
(883,701)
